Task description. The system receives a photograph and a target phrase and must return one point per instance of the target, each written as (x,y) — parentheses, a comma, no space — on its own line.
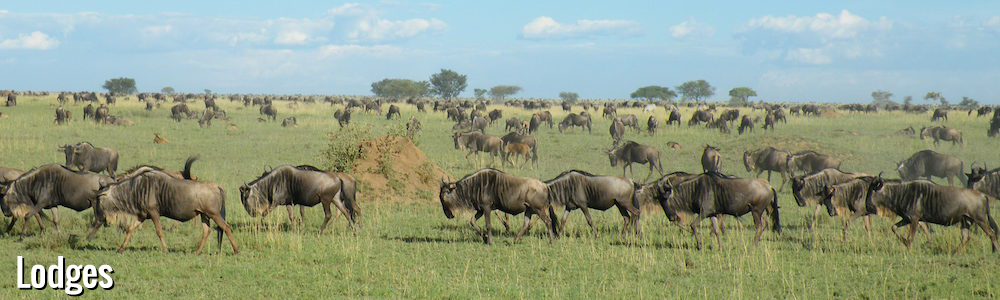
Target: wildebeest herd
(148,192)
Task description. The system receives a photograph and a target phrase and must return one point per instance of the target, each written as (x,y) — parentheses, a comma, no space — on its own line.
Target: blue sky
(830,51)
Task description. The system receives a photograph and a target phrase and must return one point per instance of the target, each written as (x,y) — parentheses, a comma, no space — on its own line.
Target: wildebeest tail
(774,212)
(347,195)
(222,211)
(993,223)
(635,197)
(187,167)
(555,220)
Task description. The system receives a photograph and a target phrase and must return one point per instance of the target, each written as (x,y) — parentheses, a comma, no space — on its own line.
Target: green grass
(408,249)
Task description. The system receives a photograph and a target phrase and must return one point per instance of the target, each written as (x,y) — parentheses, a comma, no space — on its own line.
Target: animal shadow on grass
(74,243)
(424,239)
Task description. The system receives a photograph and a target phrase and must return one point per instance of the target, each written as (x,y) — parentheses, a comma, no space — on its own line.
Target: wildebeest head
(748,161)
(975,175)
(662,194)
(875,186)
(906,170)
(613,156)
(826,194)
(13,203)
(68,150)
(923,133)
(3,202)
(447,195)
(797,184)
(254,201)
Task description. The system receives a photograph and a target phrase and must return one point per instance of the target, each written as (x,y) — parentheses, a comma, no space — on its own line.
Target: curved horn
(880,174)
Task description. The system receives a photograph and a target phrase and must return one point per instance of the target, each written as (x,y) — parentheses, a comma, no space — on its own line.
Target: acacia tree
(696,90)
(882,98)
(480,93)
(400,88)
(570,97)
(121,86)
(740,95)
(966,101)
(932,96)
(653,92)
(448,84)
(167,90)
(502,91)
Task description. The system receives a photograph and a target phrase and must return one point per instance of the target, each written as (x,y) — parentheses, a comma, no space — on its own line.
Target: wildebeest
(730,115)
(700,116)
(573,119)
(769,121)
(711,160)
(939,133)
(9,174)
(921,201)
(289,121)
(928,163)
(88,111)
(206,118)
(981,111)
(344,118)
(849,194)
(631,152)
(712,194)
(513,124)
(746,124)
(516,149)
(47,187)
(179,111)
(85,157)
(489,189)
(476,142)
(577,189)
(11,99)
(495,115)
(811,162)
(617,131)
(721,124)
(269,112)
(629,121)
(906,131)
(986,182)
(61,117)
(527,140)
(413,126)
(939,114)
(393,111)
(153,194)
(302,185)
(480,123)
(767,159)
(157,139)
(544,116)
(675,116)
(149,106)
(994,127)
(609,112)
(101,114)
(805,188)
(651,124)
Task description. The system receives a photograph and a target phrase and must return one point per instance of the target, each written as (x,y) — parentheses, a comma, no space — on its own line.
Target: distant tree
(908,100)
(944,102)
(121,86)
(653,92)
(480,93)
(502,91)
(208,92)
(570,97)
(882,98)
(448,84)
(167,90)
(740,95)
(932,96)
(400,88)
(696,90)
(966,101)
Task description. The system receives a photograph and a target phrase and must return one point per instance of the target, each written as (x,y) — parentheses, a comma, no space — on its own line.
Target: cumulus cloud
(809,56)
(691,28)
(335,51)
(819,39)
(157,30)
(291,37)
(993,22)
(547,28)
(844,25)
(377,29)
(33,41)
(349,9)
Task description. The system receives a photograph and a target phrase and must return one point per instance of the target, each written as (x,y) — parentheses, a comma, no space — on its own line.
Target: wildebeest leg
(55,217)
(562,224)
(93,230)
(488,234)
(159,230)
(10,225)
(694,231)
(586,213)
(927,231)
(912,234)
(991,233)
(479,214)
(504,219)
(816,216)
(128,235)
(965,236)
(524,229)
(229,232)
(302,215)
(715,231)
(206,229)
(758,221)
(783,180)
(868,226)
(327,214)
(544,214)
(651,166)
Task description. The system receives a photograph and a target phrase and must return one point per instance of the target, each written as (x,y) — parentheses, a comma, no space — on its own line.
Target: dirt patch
(393,168)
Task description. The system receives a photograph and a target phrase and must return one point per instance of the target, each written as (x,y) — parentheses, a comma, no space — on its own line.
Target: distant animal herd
(148,192)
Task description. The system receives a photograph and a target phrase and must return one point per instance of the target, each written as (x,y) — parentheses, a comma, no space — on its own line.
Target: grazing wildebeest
(206,118)
(711,159)
(630,121)
(994,127)
(675,117)
(47,187)
(495,115)
(517,149)
(9,174)
(514,137)
(986,182)
(88,111)
(617,131)
(907,131)
(480,123)
(922,201)
(302,185)
(632,152)
(721,124)
(476,142)
(730,115)
(149,106)
(269,112)
(712,194)
(513,123)
(928,163)
(981,111)
(344,118)
(534,124)
(85,157)
(153,194)
(179,111)
(101,114)
(746,124)
(573,119)
(577,189)
(374,106)
(806,188)
(939,133)
(546,117)
(393,111)
(289,121)
(609,112)
(767,159)
(489,189)
(455,114)
(811,162)
(700,116)
(61,118)
(651,124)
(769,121)
(939,114)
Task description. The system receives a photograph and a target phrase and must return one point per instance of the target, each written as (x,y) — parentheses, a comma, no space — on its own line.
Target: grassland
(407,249)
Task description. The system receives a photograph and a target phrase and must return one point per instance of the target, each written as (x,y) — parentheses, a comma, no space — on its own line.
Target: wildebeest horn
(102,184)
(880,174)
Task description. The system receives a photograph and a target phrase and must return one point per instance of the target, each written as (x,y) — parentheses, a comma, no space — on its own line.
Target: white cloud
(993,22)
(33,41)
(157,30)
(2,11)
(844,25)
(809,56)
(378,29)
(349,9)
(547,28)
(691,28)
(292,37)
(336,51)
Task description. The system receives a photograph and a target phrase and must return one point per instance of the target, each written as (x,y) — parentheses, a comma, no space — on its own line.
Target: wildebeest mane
(562,188)
(481,184)
(308,168)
